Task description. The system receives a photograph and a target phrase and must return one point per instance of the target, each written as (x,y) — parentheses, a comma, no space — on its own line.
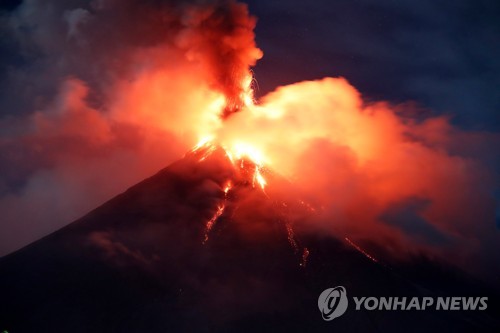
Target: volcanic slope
(212,244)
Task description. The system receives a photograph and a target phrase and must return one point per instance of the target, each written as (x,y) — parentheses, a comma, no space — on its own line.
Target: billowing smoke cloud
(398,185)
(99,95)
(222,37)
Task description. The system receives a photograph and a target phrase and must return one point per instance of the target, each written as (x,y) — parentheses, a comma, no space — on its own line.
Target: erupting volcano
(274,200)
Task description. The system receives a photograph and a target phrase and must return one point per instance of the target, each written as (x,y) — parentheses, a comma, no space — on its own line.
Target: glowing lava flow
(211,222)
(295,245)
(227,188)
(204,143)
(305,255)
(360,250)
(250,162)
(218,213)
(237,155)
(258,178)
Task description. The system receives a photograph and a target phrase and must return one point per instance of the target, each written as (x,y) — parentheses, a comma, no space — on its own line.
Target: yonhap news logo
(333,303)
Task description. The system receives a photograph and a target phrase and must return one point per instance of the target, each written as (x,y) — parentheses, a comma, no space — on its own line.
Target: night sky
(443,55)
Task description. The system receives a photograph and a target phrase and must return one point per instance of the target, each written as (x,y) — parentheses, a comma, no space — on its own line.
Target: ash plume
(108,87)
(399,186)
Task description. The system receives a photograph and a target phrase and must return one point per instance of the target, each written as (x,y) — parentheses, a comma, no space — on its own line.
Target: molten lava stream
(211,222)
(248,163)
(360,250)
(218,213)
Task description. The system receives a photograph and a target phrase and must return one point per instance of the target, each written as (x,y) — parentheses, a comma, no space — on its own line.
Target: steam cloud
(117,90)
(395,184)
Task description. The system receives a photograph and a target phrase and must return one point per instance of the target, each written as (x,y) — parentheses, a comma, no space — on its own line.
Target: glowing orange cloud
(357,163)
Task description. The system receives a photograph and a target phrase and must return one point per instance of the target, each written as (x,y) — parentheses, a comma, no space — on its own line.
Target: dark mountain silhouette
(146,261)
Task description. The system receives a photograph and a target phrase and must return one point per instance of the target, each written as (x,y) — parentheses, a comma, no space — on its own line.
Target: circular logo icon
(332,303)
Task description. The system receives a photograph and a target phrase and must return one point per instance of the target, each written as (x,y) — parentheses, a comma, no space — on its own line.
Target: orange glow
(360,250)
(247,94)
(210,224)
(338,151)
(204,142)
(236,155)
(305,256)
(259,179)
(227,188)
(241,150)
(342,154)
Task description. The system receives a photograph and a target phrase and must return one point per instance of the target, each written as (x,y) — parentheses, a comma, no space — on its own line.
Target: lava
(238,154)
(249,168)
(227,188)
(258,178)
(360,250)
(305,256)
(210,224)
(291,237)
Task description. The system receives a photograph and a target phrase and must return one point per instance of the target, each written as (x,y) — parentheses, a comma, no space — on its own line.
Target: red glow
(360,250)
(211,222)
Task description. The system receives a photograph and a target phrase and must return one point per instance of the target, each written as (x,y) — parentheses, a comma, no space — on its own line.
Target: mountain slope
(182,251)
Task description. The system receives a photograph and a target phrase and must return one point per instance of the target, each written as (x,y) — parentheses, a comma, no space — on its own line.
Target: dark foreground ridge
(145,262)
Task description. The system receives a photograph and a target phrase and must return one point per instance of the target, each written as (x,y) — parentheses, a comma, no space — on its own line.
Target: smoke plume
(104,93)
(398,185)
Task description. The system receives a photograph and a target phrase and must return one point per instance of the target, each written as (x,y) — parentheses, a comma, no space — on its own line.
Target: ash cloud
(377,176)
(97,95)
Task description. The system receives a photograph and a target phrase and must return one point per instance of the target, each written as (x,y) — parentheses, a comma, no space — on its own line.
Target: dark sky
(444,55)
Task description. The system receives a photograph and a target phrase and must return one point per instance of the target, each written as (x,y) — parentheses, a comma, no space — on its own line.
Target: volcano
(210,243)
